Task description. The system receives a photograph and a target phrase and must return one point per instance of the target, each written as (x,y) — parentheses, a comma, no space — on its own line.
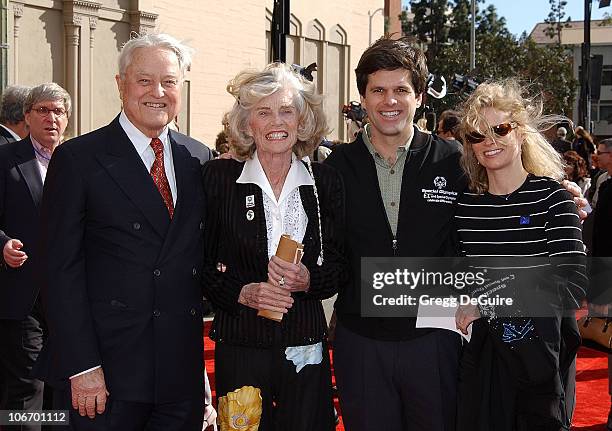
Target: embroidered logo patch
(440,182)
(439,193)
(525,220)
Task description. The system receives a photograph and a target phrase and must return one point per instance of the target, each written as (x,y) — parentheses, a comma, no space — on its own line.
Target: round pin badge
(250,215)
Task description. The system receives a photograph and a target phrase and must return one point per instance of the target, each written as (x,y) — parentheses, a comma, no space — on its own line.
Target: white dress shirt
(285,215)
(43,156)
(142,144)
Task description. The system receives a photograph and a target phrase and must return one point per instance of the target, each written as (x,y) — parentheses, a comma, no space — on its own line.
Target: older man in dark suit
(601,294)
(23,167)
(122,254)
(12,122)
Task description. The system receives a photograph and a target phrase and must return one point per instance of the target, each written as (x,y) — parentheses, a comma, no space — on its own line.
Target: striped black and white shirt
(539,219)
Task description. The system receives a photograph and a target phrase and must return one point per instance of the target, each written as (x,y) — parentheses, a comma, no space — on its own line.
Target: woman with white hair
(516,372)
(276,120)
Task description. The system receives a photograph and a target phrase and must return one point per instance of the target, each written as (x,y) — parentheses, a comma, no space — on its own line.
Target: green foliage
(430,24)
(606,20)
(555,20)
(443,28)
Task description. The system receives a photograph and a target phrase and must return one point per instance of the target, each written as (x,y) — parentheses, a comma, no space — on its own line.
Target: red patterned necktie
(158,172)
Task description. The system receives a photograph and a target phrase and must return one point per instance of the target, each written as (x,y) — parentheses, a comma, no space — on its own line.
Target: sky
(523,15)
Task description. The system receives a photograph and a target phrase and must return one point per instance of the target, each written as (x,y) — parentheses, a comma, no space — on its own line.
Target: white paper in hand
(438,316)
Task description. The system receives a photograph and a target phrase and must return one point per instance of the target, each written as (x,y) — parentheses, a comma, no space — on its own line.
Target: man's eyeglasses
(500,130)
(43,111)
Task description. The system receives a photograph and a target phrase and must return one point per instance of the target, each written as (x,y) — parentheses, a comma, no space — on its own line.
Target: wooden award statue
(289,251)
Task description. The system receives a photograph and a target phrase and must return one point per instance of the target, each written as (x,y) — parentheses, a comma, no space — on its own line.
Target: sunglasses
(500,130)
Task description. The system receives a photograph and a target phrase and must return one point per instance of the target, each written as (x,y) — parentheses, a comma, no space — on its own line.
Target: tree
(490,23)
(549,69)
(555,20)
(499,54)
(430,24)
(460,21)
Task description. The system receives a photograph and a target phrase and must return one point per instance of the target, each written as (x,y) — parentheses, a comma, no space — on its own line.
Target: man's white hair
(160,40)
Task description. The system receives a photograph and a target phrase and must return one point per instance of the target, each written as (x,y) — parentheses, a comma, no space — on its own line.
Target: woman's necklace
(507,197)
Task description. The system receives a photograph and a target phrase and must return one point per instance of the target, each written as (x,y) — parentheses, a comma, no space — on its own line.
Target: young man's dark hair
(390,54)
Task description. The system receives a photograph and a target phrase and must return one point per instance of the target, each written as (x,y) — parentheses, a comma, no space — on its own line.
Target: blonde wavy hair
(537,155)
(250,86)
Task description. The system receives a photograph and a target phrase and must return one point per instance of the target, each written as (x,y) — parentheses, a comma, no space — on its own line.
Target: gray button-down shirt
(389,177)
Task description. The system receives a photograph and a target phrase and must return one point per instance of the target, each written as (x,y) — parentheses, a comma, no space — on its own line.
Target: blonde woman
(520,366)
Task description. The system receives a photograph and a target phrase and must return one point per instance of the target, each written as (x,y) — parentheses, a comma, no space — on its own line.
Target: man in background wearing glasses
(601,294)
(23,168)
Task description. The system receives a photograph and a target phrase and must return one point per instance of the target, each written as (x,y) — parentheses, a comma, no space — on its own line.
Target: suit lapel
(185,188)
(311,236)
(260,221)
(183,171)
(125,166)
(28,168)
(252,217)
(7,135)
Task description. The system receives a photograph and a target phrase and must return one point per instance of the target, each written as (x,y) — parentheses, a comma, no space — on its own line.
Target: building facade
(601,44)
(76,44)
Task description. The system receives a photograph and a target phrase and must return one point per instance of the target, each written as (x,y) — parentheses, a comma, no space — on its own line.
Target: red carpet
(592,399)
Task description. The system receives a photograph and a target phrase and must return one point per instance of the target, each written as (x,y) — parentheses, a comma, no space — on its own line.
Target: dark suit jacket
(602,225)
(601,264)
(242,245)
(5,137)
(121,280)
(20,195)
(561,145)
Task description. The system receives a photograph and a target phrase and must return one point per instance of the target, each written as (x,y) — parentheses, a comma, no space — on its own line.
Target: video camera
(464,84)
(355,112)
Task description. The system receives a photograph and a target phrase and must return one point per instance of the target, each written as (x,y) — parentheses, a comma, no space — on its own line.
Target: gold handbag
(240,409)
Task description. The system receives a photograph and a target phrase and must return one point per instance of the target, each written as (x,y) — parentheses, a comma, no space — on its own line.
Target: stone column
(93,22)
(80,17)
(142,22)
(71,81)
(17,13)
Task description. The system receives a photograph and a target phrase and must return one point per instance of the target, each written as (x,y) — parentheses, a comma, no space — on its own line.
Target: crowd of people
(111,240)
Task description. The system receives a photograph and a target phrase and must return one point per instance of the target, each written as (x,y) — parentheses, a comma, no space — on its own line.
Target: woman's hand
(289,276)
(579,199)
(464,317)
(265,296)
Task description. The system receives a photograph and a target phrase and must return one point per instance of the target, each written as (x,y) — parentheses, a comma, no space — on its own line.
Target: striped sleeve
(564,242)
